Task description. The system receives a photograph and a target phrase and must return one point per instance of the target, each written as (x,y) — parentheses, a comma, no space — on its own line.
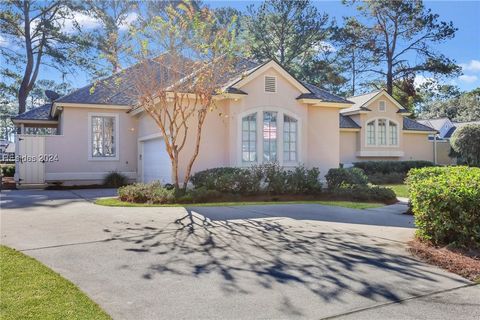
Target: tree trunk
(390,78)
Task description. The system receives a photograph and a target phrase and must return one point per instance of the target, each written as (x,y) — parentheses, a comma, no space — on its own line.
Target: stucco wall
(349,141)
(417,147)
(73,152)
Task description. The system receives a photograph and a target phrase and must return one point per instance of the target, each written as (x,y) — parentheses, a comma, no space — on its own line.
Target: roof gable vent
(270,84)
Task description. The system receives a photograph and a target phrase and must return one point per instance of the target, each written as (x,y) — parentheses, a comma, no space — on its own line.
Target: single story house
(263,114)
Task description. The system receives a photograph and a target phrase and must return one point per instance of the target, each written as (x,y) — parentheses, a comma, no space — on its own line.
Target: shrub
(465,142)
(339,177)
(366,193)
(380,172)
(146,193)
(446,204)
(269,177)
(8,170)
(115,180)
(387,178)
(201,195)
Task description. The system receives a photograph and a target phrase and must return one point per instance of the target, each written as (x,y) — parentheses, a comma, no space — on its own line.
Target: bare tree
(179,88)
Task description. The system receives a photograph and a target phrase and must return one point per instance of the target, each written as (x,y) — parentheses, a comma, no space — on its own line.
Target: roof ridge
(364,94)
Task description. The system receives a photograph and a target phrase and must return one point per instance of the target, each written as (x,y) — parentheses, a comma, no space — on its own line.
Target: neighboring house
(445,129)
(266,115)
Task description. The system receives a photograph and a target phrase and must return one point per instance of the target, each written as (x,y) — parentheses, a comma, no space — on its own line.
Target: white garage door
(156,162)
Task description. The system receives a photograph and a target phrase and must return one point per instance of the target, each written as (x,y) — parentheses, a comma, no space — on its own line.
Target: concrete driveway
(254,262)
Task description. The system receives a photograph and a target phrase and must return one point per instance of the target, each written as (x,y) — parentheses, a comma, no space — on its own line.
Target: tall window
(269,136)
(103,137)
(371,133)
(382,132)
(289,139)
(393,133)
(249,138)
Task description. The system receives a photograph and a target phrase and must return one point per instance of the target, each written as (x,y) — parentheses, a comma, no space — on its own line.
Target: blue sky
(464,48)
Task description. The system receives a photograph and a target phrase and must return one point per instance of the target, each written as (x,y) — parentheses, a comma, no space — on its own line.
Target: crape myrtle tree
(400,29)
(198,52)
(34,35)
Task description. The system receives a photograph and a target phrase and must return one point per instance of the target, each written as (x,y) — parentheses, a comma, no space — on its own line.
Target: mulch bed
(465,263)
(8,183)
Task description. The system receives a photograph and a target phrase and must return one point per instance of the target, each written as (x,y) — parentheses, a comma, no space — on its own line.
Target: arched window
(289,139)
(269,136)
(382,132)
(249,138)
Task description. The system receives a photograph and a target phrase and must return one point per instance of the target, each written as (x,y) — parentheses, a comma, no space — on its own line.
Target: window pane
(289,138)
(103,136)
(269,136)
(249,138)
(371,133)
(393,133)
(382,132)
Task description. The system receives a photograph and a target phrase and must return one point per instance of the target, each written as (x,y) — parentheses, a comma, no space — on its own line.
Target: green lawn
(30,290)
(115,202)
(401,190)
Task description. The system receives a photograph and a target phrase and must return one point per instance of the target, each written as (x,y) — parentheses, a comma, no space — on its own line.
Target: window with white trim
(249,138)
(103,135)
(269,136)
(289,139)
(270,84)
(382,132)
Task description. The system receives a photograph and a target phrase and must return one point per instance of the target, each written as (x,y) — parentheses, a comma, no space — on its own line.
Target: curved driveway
(253,262)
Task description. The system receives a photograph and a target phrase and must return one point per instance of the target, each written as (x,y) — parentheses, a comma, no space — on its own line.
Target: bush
(383,172)
(366,193)
(115,180)
(147,193)
(270,178)
(339,177)
(446,204)
(8,170)
(465,142)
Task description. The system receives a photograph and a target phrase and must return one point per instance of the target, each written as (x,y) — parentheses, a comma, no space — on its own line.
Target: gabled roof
(347,123)
(412,125)
(437,124)
(360,102)
(41,113)
(322,94)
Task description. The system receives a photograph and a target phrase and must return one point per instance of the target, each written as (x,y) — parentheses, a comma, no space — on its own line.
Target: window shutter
(270,84)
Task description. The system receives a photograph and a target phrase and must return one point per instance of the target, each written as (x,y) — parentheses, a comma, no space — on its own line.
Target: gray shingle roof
(322,94)
(347,123)
(39,113)
(409,124)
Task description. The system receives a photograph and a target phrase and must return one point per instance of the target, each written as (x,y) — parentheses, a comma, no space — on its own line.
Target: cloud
(472,66)
(3,41)
(84,21)
(468,78)
(129,20)
(324,46)
(420,79)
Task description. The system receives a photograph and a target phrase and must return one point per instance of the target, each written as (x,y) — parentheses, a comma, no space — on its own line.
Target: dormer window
(270,84)
(382,106)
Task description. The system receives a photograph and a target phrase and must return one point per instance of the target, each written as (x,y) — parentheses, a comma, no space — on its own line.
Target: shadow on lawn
(249,253)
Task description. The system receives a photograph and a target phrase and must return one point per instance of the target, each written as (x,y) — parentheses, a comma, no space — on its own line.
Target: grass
(30,290)
(401,190)
(115,202)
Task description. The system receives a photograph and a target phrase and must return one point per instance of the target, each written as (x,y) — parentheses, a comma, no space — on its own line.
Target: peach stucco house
(264,114)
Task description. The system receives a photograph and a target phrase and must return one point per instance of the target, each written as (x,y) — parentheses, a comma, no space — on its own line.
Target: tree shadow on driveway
(328,262)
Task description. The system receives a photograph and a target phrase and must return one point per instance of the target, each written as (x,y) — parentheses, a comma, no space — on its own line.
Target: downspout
(435,149)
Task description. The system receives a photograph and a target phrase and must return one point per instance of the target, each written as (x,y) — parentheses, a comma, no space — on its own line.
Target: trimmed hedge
(446,204)
(146,193)
(8,170)
(385,172)
(336,178)
(270,178)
